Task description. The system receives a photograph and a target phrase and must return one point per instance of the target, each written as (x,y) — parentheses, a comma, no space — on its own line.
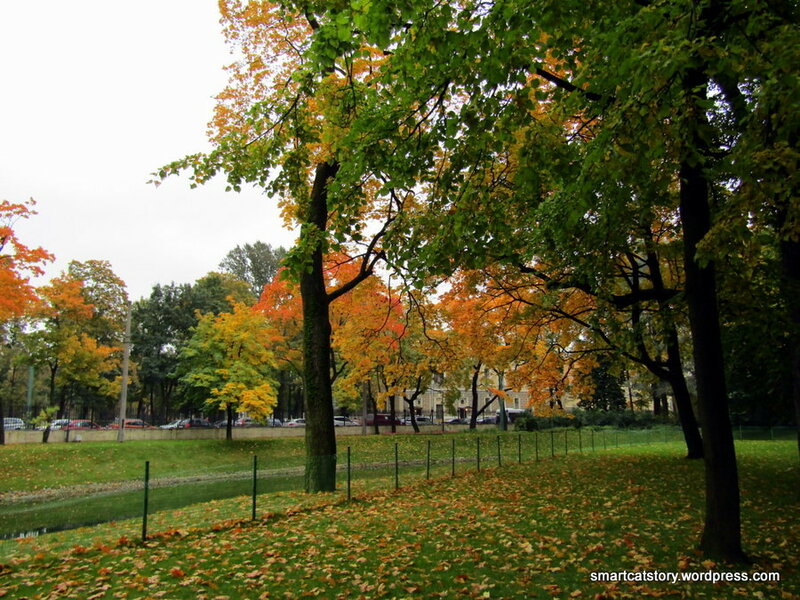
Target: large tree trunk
(683,400)
(229,422)
(674,366)
(320,474)
(722,528)
(790,260)
(473,418)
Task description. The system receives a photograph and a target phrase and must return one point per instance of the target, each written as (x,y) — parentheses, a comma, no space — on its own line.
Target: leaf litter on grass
(523,531)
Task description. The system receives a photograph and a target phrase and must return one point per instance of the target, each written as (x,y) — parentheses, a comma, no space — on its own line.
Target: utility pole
(123,395)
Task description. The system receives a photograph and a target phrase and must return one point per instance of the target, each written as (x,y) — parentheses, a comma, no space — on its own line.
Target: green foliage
(256,264)
(580,417)
(607,394)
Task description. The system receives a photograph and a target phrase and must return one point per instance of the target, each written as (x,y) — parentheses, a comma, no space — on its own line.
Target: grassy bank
(519,531)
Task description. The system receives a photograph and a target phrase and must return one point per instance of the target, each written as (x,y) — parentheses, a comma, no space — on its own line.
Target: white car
(344,422)
(295,423)
(13,423)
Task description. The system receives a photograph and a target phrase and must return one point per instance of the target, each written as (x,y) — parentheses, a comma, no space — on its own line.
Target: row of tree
(211,346)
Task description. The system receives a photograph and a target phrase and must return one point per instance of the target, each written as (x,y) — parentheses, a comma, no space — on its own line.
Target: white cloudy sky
(94,96)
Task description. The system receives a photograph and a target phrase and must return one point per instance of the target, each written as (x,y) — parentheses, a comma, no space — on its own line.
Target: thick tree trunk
(393,413)
(229,422)
(674,366)
(473,418)
(412,415)
(683,400)
(320,474)
(721,536)
(790,260)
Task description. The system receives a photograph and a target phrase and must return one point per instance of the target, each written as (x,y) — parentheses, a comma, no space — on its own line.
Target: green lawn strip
(31,467)
(521,531)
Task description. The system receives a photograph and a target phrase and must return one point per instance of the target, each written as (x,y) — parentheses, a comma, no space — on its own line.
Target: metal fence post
(255,484)
(146,498)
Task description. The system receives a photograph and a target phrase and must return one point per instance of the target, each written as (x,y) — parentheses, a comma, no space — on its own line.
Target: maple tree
(74,358)
(18,262)
(230,361)
(278,124)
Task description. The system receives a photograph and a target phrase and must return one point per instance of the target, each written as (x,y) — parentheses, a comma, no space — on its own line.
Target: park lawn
(32,467)
(537,529)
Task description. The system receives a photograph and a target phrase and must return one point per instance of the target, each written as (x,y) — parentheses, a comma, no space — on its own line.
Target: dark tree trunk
(320,473)
(721,535)
(672,371)
(790,261)
(683,400)
(393,413)
(414,424)
(229,422)
(473,419)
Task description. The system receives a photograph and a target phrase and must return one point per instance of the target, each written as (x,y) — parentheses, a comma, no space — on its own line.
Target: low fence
(389,464)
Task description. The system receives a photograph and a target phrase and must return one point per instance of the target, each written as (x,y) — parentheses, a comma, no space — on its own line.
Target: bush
(619,419)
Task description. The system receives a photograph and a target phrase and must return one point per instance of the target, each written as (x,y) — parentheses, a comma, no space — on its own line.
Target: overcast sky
(96,95)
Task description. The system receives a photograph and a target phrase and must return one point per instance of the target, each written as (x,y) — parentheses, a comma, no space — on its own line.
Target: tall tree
(285,110)
(79,364)
(256,264)
(17,263)
(230,361)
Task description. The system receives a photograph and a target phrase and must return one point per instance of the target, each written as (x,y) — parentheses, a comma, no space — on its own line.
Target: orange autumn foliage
(18,262)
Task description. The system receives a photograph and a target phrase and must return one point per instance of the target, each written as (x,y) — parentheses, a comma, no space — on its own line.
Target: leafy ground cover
(538,529)
(186,473)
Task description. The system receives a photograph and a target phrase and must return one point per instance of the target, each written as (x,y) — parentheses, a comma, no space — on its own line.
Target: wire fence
(380,466)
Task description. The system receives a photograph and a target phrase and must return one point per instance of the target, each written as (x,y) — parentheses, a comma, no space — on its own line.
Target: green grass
(30,467)
(532,530)
(95,483)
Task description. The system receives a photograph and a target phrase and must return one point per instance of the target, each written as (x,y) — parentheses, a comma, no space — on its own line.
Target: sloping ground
(522,531)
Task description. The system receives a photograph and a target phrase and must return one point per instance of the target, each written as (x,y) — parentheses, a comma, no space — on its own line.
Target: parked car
(131,424)
(295,423)
(381,419)
(344,422)
(55,424)
(457,421)
(421,420)
(189,424)
(81,424)
(13,423)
